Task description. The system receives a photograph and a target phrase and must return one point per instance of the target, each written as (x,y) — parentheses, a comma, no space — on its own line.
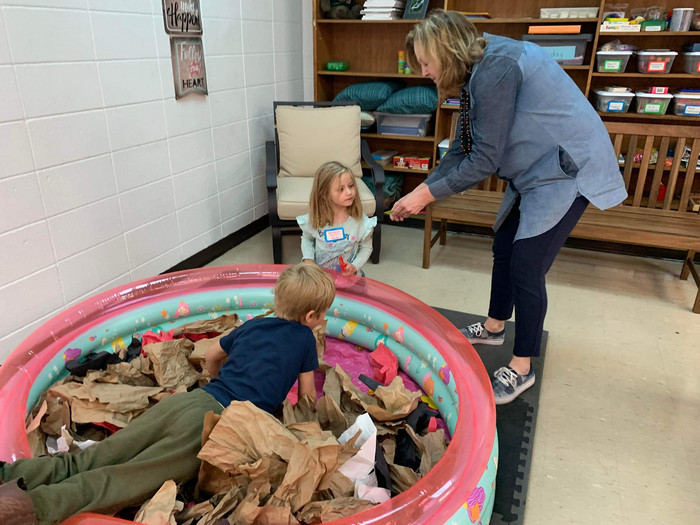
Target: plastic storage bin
(686,104)
(653,103)
(612,61)
(384,157)
(612,102)
(567,50)
(655,60)
(691,62)
(568,12)
(414,125)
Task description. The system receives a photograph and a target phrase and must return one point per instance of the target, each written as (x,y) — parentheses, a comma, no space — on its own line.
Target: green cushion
(416,99)
(369,95)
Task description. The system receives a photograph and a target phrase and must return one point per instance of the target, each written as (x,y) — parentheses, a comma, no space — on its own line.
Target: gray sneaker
(477,334)
(508,384)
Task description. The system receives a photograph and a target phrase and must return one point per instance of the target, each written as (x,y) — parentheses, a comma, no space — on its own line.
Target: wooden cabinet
(370,48)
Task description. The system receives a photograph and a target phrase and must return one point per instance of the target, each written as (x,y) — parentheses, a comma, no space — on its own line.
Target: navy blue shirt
(265,356)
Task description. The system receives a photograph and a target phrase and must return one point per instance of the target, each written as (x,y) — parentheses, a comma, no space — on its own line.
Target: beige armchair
(307,134)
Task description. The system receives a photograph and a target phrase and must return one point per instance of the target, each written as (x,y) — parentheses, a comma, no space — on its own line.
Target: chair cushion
(416,99)
(308,137)
(293,197)
(369,95)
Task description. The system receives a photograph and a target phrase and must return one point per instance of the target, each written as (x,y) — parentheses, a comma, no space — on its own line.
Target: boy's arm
(307,385)
(214,358)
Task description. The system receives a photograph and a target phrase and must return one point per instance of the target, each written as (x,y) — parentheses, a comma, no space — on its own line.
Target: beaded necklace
(465,139)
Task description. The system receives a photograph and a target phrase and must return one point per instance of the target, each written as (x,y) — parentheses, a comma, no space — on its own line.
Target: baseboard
(208,254)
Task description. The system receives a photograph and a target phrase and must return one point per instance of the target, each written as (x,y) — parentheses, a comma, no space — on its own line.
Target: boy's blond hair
(453,41)
(320,204)
(302,288)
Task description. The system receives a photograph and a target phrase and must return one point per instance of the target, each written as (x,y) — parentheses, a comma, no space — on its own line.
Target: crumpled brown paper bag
(218,325)
(104,402)
(161,508)
(171,365)
(391,402)
(323,511)
(249,440)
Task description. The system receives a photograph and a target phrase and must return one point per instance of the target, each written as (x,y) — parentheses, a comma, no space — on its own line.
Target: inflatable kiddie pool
(459,489)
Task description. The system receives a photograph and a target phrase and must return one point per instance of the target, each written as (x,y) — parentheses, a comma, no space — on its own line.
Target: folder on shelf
(556,30)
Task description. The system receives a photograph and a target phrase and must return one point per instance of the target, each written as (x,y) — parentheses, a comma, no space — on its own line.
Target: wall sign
(189,73)
(182,17)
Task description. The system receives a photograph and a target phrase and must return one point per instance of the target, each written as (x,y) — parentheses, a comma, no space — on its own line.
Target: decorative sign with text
(188,66)
(182,17)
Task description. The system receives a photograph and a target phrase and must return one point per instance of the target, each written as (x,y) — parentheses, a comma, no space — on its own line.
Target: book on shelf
(381,15)
(470,14)
(394,4)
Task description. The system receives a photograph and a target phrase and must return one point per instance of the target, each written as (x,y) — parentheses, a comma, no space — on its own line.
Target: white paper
(360,468)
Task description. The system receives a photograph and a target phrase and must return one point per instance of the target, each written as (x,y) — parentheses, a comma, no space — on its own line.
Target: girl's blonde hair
(302,288)
(453,41)
(320,204)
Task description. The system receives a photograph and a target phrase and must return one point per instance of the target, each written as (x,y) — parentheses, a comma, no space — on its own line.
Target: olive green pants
(125,469)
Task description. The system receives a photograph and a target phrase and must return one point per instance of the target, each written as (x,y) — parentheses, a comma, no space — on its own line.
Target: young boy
(265,356)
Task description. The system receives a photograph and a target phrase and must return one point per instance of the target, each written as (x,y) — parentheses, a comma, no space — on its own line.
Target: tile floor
(618,432)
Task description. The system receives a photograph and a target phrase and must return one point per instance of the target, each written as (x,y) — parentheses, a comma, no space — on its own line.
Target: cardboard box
(412,161)
(694,202)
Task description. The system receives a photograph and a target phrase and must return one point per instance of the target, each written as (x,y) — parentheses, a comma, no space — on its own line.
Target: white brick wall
(104,177)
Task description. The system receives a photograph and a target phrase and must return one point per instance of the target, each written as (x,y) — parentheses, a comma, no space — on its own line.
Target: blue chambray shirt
(532,127)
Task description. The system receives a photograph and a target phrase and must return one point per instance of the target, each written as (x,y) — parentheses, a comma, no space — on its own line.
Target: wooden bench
(657,212)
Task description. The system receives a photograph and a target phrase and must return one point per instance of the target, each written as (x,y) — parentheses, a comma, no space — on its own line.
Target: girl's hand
(412,203)
(349,269)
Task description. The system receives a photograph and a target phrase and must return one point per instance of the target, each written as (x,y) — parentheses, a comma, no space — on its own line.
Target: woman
(525,120)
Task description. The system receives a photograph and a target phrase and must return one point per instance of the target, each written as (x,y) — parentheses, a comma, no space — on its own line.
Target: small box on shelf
(694,202)
(412,161)
(443,147)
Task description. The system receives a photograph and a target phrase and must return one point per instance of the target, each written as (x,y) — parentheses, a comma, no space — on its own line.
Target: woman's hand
(412,203)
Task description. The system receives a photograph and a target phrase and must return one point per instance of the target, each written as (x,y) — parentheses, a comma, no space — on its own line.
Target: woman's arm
(494,89)
(214,358)
(306,385)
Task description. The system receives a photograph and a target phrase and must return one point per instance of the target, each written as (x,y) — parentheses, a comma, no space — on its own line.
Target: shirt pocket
(566,164)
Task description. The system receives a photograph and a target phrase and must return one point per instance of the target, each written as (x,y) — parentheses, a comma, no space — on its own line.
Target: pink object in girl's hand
(343,264)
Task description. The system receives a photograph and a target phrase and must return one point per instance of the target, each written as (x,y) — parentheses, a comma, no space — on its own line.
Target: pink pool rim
(433,499)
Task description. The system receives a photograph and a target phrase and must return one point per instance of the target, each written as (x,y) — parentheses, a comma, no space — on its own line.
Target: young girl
(335,226)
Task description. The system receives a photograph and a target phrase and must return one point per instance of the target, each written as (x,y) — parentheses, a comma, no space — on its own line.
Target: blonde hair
(453,41)
(302,288)
(320,204)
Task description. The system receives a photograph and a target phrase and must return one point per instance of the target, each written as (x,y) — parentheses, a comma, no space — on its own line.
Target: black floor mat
(515,423)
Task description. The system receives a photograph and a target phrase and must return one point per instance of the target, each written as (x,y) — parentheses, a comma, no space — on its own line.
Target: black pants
(518,277)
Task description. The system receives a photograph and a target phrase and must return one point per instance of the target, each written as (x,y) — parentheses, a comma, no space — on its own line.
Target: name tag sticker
(334,234)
